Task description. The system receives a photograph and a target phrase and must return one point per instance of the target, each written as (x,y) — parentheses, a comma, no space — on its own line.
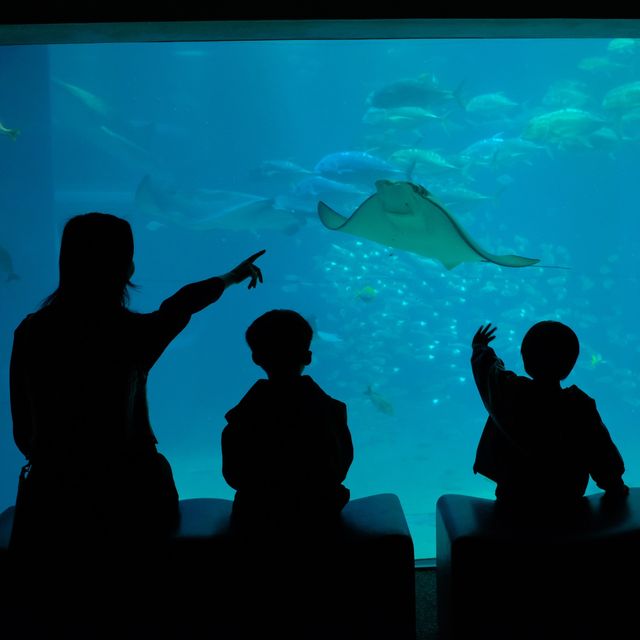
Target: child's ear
(307,358)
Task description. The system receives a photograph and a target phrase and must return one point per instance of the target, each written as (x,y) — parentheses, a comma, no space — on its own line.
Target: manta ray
(406,216)
(207,209)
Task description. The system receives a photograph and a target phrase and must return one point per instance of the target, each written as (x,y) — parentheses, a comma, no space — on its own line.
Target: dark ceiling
(52,25)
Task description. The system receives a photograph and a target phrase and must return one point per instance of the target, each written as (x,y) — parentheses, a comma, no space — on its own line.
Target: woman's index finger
(255,256)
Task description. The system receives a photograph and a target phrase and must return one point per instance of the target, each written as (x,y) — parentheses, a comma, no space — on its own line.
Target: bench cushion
(359,583)
(501,574)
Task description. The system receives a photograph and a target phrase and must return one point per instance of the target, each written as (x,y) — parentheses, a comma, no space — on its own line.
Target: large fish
(206,209)
(623,98)
(563,128)
(423,91)
(91,101)
(490,105)
(356,167)
(497,152)
(420,160)
(405,216)
(304,195)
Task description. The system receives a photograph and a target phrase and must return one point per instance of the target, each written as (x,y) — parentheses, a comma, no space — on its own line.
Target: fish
(275,168)
(325,336)
(206,209)
(497,152)
(424,91)
(6,265)
(356,167)
(124,142)
(404,215)
(563,128)
(567,93)
(420,160)
(279,174)
(379,402)
(304,195)
(600,64)
(91,101)
(10,133)
(456,195)
(622,98)
(319,187)
(367,294)
(624,46)
(489,105)
(407,117)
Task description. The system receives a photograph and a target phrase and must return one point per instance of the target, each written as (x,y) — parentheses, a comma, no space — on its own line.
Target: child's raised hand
(484,335)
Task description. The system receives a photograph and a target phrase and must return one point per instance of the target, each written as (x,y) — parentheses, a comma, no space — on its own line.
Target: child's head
(279,341)
(549,351)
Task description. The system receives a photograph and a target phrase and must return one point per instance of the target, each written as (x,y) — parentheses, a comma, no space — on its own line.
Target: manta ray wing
(330,218)
(406,217)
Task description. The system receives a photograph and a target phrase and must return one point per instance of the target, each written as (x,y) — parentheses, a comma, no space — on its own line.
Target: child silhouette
(541,441)
(286,448)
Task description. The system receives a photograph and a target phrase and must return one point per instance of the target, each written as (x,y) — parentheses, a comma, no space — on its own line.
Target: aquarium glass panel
(462,181)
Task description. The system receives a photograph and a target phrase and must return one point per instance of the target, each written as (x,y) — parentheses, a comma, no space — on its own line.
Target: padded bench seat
(360,584)
(563,575)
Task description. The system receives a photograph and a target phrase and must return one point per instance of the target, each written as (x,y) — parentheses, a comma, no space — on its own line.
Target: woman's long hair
(96,258)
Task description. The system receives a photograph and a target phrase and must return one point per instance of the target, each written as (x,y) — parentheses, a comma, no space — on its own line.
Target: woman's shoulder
(34,319)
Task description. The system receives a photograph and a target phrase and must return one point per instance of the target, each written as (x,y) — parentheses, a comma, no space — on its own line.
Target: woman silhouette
(78,376)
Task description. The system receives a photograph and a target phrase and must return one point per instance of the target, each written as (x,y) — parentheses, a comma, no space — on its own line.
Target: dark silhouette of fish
(406,216)
(208,209)
(423,91)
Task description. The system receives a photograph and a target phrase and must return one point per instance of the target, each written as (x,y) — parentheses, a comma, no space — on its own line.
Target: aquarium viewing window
(217,140)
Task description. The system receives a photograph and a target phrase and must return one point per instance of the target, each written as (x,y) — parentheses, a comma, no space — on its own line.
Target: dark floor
(426,622)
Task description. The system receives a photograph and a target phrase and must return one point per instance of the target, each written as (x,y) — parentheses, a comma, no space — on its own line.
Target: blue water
(198,118)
